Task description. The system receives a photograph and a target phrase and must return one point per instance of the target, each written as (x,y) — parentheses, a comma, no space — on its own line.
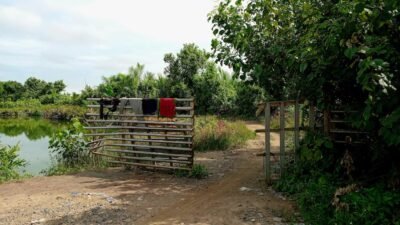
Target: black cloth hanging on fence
(103,102)
(149,106)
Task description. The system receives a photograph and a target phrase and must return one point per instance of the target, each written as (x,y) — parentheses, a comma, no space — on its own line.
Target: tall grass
(213,133)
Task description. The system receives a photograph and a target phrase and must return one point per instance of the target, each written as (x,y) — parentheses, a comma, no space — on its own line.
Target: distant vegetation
(189,73)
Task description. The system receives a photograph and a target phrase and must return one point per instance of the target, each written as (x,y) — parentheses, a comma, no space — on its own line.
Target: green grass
(57,169)
(213,133)
(198,172)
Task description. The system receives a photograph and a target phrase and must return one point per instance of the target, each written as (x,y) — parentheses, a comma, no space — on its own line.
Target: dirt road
(233,194)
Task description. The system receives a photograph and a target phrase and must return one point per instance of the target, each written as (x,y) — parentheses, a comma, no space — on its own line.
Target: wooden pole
(282,136)
(267,162)
(312,117)
(296,128)
(326,122)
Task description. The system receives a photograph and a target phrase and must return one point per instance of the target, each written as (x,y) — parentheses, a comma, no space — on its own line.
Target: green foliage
(10,163)
(212,133)
(314,193)
(69,145)
(34,108)
(346,48)
(198,171)
(214,91)
(186,64)
(248,98)
(337,54)
(372,205)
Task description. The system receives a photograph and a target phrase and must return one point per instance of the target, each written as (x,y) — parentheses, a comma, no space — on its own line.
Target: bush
(198,171)
(248,97)
(10,163)
(372,205)
(70,147)
(212,133)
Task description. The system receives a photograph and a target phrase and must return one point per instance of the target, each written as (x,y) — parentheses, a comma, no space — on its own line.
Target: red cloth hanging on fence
(167,107)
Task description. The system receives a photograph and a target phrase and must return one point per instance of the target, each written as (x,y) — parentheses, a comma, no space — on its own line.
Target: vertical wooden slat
(296,127)
(312,117)
(267,162)
(193,123)
(282,137)
(326,122)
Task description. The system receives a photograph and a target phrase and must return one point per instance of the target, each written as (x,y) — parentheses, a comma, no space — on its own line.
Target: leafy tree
(214,90)
(186,64)
(12,90)
(35,87)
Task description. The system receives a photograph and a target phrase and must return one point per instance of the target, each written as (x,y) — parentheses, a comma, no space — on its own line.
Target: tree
(186,64)
(34,88)
(12,90)
(331,52)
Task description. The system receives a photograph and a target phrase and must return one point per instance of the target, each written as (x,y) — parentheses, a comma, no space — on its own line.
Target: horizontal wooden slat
(140,122)
(277,129)
(149,165)
(143,147)
(339,121)
(347,132)
(140,128)
(144,158)
(148,153)
(355,142)
(139,134)
(143,140)
(176,99)
(286,103)
(130,107)
(343,111)
(137,115)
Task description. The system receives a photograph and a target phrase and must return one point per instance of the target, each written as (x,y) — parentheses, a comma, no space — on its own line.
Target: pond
(32,135)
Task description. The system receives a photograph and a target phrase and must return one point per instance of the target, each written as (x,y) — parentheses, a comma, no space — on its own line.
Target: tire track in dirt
(228,201)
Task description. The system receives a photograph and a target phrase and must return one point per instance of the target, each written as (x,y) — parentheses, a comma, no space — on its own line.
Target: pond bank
(52,112)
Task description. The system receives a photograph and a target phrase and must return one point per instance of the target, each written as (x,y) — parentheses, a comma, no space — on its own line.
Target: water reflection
(33,137)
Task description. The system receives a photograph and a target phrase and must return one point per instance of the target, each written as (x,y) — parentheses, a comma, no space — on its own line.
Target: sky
(79,41)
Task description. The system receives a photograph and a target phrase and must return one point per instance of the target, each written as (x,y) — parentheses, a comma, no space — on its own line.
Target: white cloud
(80,41)
(13,17)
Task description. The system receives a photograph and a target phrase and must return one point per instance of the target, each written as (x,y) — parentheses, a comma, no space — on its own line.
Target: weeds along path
(233,194)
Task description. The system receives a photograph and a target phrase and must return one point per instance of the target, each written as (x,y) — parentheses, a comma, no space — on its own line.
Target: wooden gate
(333,123)
(125,137)
(283,153)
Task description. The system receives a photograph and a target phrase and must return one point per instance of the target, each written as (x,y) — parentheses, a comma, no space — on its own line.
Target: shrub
(70,146)
(198,171)
(9,162)
(212,133)
(372,205)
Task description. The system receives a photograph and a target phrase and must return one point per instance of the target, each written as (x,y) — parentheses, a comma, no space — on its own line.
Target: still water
(32,135)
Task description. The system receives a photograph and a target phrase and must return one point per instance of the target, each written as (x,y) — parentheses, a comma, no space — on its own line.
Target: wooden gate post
(267,158)
(282,136)
(296,128)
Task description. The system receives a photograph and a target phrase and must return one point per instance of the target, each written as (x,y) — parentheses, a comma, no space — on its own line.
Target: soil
(234,193)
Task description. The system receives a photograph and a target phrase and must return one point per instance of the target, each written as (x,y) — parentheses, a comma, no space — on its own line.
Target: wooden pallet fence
(282,106)
(148,141)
